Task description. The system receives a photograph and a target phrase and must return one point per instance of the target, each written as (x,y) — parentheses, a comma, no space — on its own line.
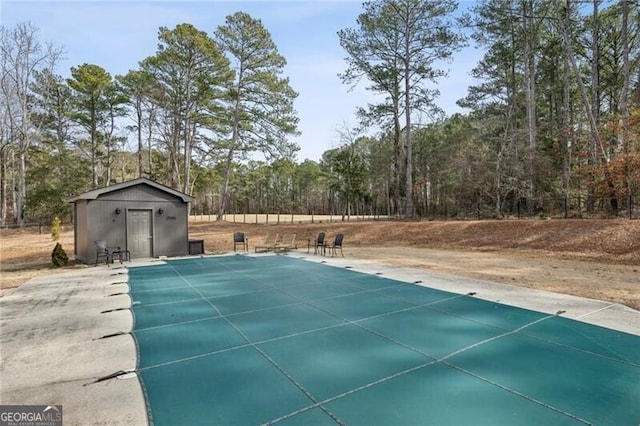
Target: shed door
(139,234)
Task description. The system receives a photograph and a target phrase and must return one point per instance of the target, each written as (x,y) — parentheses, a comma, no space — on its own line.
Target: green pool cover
(241,340)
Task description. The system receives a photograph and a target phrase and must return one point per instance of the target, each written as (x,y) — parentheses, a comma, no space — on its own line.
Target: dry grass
(591,258)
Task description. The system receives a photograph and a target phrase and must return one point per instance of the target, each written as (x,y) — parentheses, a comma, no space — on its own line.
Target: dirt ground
(598,259)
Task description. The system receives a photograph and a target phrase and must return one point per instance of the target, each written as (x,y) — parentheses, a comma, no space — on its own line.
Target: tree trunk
(595,67)
(224,195)
(395,170)
(22,189)
(174,151)
(109,144)
(139,134)
(593,127)
(530,77)
(190,130)
(94,149)
(152,117)
(624,101)
(235,136)
(595,100)
(408,213)
(188,133)
(566,132)
(3,186)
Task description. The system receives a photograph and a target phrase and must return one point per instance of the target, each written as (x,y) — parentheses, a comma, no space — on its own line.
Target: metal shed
(140,215)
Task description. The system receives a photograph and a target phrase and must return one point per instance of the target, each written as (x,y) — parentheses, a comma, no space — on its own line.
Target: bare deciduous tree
(22,56)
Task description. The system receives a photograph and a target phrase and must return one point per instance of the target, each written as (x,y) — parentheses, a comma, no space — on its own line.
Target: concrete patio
(61,334)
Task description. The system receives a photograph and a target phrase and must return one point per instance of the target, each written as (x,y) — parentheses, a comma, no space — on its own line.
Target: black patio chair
(318,245)
(240,239)
(102,251)
(337,244)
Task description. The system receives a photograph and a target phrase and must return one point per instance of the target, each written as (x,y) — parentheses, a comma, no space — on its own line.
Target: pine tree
(261,101)
(59,257)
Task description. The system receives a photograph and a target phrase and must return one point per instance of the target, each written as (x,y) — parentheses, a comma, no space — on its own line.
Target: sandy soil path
(616,283)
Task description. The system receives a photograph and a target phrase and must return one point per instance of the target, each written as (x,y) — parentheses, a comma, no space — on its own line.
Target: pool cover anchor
(117,294)
(114,310)
(118,333)
(120,374)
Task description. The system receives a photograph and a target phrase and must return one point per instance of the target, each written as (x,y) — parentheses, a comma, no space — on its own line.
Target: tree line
(553,120)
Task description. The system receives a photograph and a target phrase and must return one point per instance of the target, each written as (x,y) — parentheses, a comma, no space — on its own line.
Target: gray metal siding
(97,220)
(172,226)
(139,193)
(105,224)
(80,226)
(169,229)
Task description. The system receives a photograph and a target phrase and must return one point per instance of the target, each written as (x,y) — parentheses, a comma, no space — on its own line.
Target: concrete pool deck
(53,347)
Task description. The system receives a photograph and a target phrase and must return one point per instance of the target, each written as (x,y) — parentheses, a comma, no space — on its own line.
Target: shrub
(55,228)
(59,256)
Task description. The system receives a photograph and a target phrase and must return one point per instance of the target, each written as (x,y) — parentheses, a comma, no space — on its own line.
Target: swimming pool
(273,339)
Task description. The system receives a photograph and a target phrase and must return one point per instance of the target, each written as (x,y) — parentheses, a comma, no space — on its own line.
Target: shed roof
(95,193)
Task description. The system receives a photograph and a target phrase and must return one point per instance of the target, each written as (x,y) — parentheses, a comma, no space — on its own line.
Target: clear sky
(116,35)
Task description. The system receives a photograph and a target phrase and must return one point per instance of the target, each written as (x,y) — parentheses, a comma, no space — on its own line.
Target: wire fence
(283,218)
(38,225)
(580,207)
(575,207)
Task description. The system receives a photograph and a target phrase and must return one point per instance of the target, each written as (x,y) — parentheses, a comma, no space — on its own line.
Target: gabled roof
(95,193)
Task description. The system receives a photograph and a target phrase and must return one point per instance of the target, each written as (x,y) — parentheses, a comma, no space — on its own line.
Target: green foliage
(96,104)
(399,46)
(58,256)
(198,120)
(138,86)
(89,84)
(54,177)
(346,172)
(56,228)
(56,170)
(190,74)
(261,113)
(261,100)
